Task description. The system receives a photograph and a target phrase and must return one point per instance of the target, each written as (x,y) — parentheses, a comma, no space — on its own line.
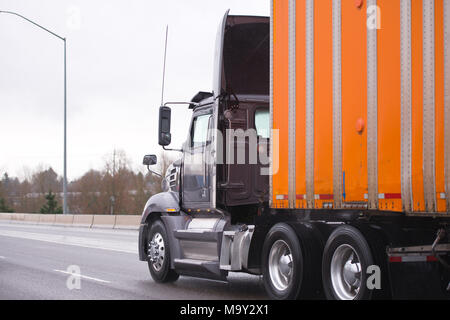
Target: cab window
(199,131)
(262,123)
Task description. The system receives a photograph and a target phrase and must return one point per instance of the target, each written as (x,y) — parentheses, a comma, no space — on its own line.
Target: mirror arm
(177,150)
(181,103)
(155,173)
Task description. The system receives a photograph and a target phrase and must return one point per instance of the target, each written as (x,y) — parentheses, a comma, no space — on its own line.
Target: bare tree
(116,188)
(44,181)
(141,194)
(118,182)
(87,195)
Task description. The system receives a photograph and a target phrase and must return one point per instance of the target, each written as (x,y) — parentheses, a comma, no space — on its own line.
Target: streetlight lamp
(65,103)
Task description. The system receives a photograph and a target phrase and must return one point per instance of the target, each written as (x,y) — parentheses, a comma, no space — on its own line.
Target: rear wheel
(158,253)
(285,269)
(345,260)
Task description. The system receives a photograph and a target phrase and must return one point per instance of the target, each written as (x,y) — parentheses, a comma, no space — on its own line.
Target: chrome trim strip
(309,152)
(429,185)
(292,105)
(447,99)
(406,105)
(337,105)
(372,114)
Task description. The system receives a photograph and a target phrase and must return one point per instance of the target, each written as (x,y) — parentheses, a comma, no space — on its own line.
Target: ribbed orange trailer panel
(367,83)
(440,114)
(354,101)
(280,95)
(323,103)
(389,95)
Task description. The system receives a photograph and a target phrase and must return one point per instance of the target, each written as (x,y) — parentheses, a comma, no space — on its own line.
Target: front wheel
(158,253)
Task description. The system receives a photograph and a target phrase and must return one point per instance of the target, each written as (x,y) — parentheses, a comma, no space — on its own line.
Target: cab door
(196,181)
(199,156)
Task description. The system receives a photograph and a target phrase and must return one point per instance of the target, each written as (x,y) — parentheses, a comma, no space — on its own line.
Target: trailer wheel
(158,253)
(283,264)
(345,260)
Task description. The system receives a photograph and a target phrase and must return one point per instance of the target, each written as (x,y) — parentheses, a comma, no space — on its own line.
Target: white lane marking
(111,245)
(82,276)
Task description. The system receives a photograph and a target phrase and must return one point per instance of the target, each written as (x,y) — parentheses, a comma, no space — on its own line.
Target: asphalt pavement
(38,262)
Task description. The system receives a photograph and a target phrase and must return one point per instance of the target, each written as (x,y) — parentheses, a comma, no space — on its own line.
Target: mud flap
(419,280)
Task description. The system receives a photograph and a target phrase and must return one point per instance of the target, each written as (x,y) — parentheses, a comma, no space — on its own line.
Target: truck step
(197,235)
(199,268)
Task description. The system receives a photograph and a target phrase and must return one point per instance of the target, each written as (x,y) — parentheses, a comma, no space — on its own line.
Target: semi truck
(320,160)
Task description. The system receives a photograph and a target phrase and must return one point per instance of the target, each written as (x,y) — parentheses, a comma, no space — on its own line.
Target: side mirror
(150,160)
(164,137)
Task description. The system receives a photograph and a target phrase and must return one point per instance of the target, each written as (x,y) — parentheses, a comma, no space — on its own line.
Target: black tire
(350,239)
(163,273)
(378,245)
(300,284)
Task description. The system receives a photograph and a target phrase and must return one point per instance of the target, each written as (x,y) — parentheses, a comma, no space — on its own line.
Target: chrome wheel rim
(346,272)
(281,265)
(157,251)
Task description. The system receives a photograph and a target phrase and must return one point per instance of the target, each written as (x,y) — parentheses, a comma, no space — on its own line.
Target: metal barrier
(129,222)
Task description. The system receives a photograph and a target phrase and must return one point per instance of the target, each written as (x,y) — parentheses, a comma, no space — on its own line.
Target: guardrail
(129,222)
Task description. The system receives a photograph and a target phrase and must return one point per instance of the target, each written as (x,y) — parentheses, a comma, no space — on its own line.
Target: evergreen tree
(51,207)
(3,207)
(5,180)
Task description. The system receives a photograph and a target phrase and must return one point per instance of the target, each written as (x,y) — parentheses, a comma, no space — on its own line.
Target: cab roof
(200,97)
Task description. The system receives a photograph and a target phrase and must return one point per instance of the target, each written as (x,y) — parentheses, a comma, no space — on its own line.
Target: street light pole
(65,211)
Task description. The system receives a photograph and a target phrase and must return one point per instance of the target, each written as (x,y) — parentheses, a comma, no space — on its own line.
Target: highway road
(36,262)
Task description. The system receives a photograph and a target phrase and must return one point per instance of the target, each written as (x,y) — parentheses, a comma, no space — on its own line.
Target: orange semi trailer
(361,99)
(360,96)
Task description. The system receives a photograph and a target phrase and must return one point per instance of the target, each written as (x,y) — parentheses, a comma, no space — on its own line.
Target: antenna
(164,68)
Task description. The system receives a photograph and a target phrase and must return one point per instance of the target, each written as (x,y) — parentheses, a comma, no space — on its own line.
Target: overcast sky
(115,58)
